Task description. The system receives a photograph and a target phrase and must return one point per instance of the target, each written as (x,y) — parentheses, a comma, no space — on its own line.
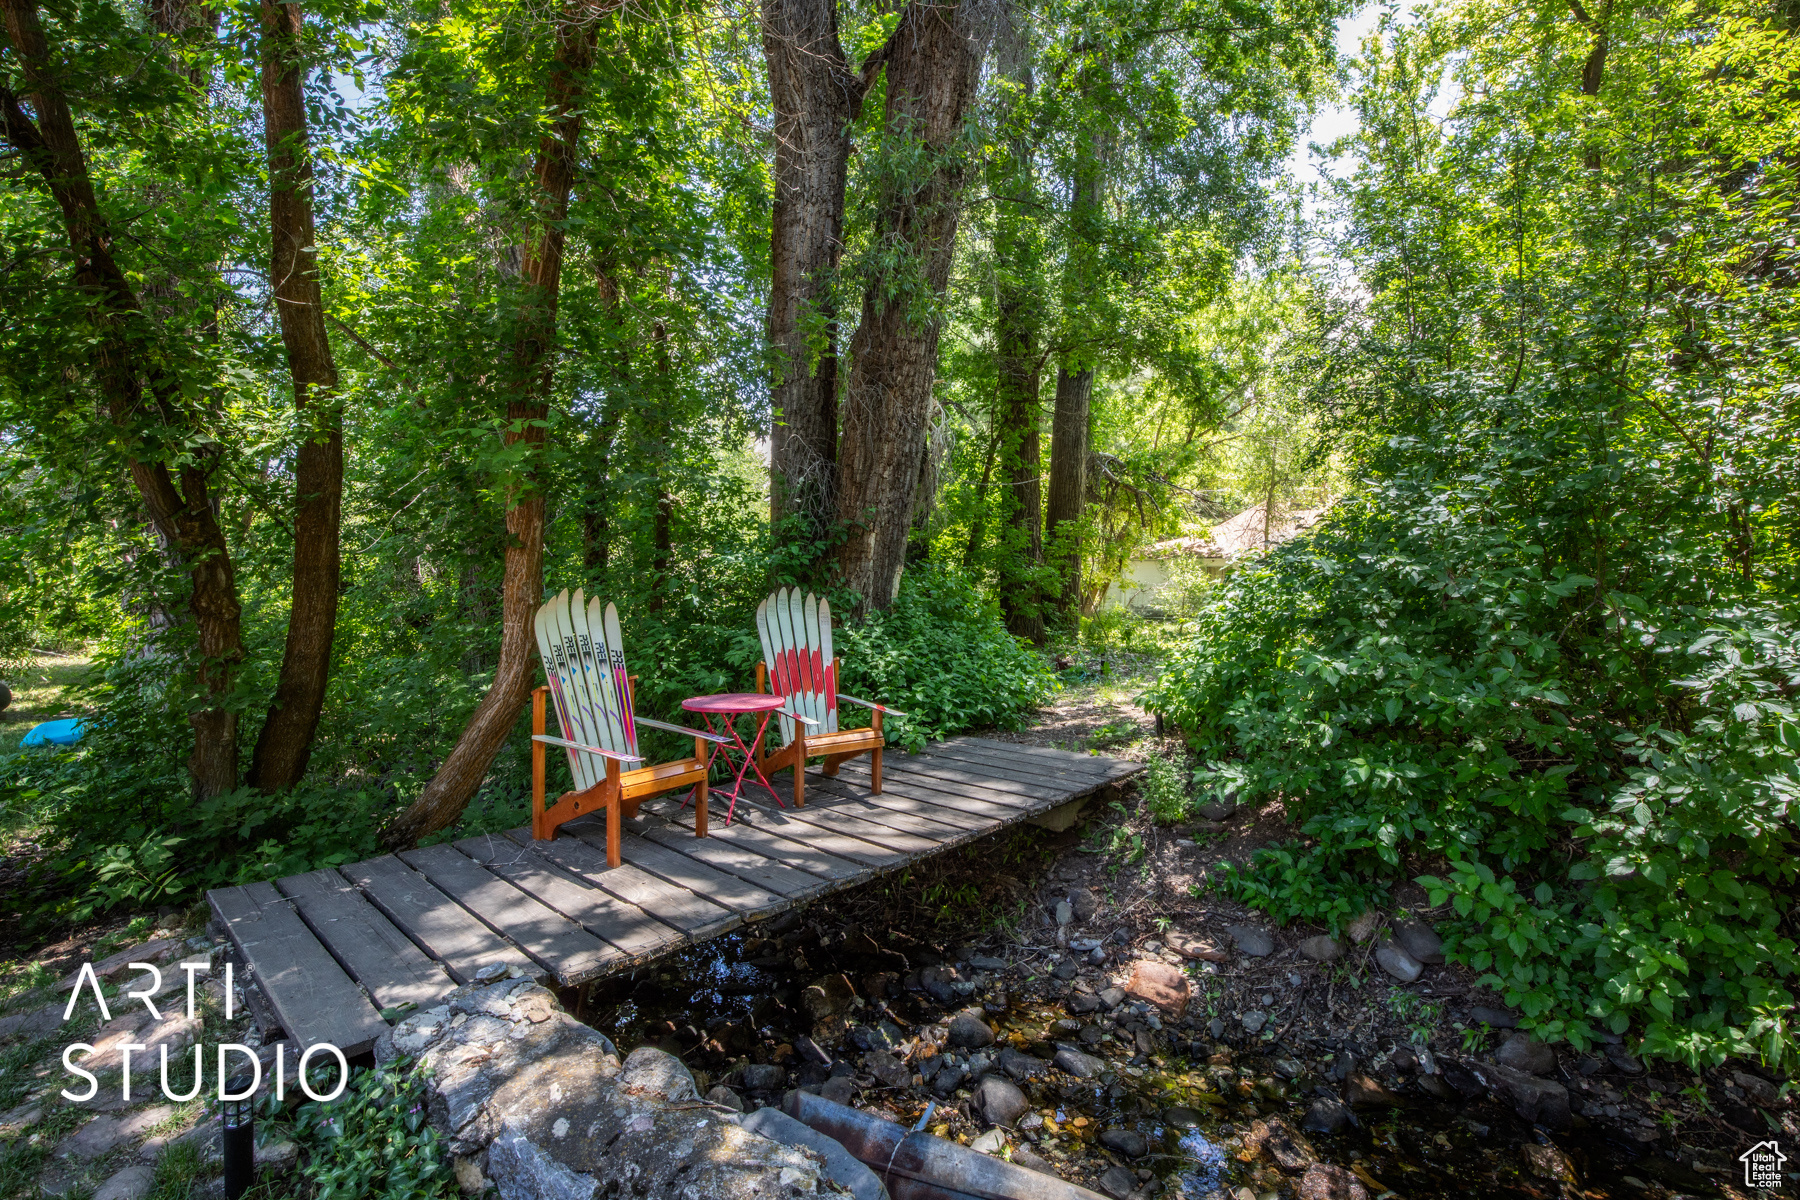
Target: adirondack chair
(595,698)
(799,666)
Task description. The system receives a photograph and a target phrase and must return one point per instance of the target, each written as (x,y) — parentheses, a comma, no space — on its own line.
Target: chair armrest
(892,712)
(784,712)
(699,733)
(556,741)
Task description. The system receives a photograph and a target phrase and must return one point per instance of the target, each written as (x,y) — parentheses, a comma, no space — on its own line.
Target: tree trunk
(662,541)
(815,96)
(447,795)
(285,744)
(124,361)
(596,515)
(933,62)
(1068,483)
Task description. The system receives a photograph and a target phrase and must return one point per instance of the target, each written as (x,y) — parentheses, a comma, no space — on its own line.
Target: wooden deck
(329,950)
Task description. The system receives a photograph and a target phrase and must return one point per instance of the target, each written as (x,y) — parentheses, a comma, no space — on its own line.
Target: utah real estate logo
(1762,1165)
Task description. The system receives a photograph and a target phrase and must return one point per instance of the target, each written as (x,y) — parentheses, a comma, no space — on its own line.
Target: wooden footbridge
(330,950)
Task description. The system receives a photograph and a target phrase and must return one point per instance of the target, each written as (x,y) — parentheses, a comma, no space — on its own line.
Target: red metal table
(728,708)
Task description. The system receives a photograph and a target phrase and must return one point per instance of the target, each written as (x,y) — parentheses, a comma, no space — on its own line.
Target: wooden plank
(377,955)
(632,932)
(695,916)
(900,802)
(435,922)
(991,790)
(1026,763)
(895,829)
(994,780)
(312,997)
(845,836)
(963,800)
(729,856)
(749,901)
(572,953)
(1129,766)
(828,856)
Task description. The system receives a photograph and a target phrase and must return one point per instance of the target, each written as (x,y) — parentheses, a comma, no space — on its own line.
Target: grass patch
(42,692)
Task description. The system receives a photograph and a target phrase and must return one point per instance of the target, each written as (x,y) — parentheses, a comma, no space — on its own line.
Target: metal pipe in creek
(918,1166)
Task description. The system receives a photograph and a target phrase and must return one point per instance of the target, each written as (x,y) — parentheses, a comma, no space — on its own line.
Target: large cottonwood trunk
(285,743)
(815,95)
(125,365)
(522,590)
(1068,483)
(933,62)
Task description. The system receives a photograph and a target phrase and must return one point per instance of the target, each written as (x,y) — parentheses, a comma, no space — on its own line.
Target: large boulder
(1540,1101)
(544,1107)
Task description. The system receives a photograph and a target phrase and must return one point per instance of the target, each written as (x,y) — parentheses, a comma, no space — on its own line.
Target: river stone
(1112,997)
(1539,1101)
(1756,1087)
(841,1089)
(1020,1065)
(1522,1052)
(1158,983)
(1216,1027)
(827,997)
(811,1051)
(1364,927)
(1182,1117)
(948,1078)
(1398,963)
(970,1032)
(1254,1021)
(1623,1060)
(1000,1100)
(1497,1018)
(887,1069)
(1327,1115)
(1364,1092)
(840,1164)
(1023,1156)
(1082,1003)
(1065,912)
(1289,1150)
(1065,970)
(1128,1142)
(724,1097)
(555,1115)
(1323,1181)
(1420,940)
(939,981)
(1118,1182)
(1251,940)
(1321,948)
(1084,903)
(1081,1066)
(1204,949)
(1547,1162)
(764,1077)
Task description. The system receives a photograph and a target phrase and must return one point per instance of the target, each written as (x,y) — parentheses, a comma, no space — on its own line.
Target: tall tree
(285,743)
(532,367)
(933,63)
(1070,420)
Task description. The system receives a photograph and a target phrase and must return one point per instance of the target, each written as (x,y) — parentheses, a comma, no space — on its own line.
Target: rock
(1364,927)
(1128,1142)
(1547,1162)
(1082,1003)
(983,962)
(1522,1052)
(1216,1027)
(1065,970)
(1021,1066)
(947,1080)
(1496,1018)
(811,1051)
(991,1142)
(887,1069)
(724,1097)
(1081,1066)
(1466,1083)
(1420,940)
(1024,1156)
(1112,997)
(1251,941)
(1000,1100)
(764,1077)
(1084,903)
(34,1023)
(1181,1117)
(969,1032)
(117,966)
(1436,1085)
(558,1115)
(1756,1087)
(841,1089)
(1398,963)
(1323,1181)
(1327,1115)
(1212,810)
(1204,949)
(1321,948)
(1539,1101)
(1364,1092)
(1160,984)
(841,1166)
(827,997)
(883,1035)
(277,1157)
(133,1183)
(1065,912)
(940,982)
(1254,1021)
(102,1135)
(1289,1150)
(1623,1060)
(1118,1182)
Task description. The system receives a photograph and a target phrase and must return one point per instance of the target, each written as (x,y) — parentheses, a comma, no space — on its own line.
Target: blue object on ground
(54,733)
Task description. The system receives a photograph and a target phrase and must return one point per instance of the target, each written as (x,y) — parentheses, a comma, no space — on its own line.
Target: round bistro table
(728,707)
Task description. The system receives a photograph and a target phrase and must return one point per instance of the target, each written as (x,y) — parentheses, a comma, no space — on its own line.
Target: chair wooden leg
(875,769)
(537,764)
(700,810)
(830,767)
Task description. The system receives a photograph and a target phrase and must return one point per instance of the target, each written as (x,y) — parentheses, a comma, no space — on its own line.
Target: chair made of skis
(798,666)
(594,695)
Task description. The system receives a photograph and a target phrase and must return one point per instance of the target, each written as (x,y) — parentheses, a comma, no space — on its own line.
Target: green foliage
(1164,791)
(375,1141)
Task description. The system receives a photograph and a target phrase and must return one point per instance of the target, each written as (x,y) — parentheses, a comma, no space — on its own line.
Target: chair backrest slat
(796,638)
(561,679)
(584,661)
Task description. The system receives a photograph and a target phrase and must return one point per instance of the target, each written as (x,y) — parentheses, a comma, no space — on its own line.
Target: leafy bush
(1164,791)
(374,1141)
(1515,668)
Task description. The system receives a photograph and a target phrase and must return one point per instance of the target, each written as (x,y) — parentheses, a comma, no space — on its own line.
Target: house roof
(1244,532)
